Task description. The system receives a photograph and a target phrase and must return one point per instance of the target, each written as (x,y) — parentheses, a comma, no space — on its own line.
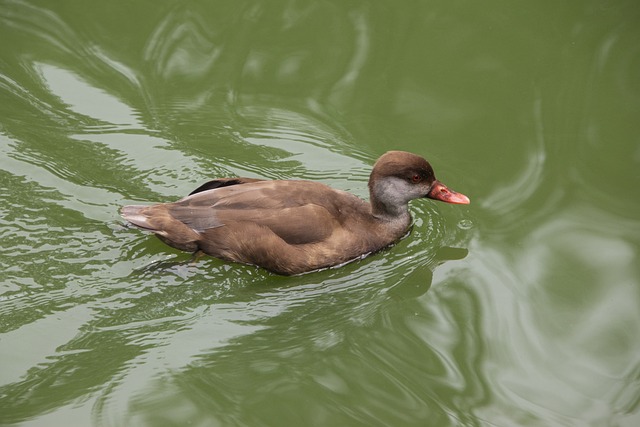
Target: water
(519,309)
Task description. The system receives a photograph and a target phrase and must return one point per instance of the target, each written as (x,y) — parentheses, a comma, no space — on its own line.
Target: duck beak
(439,191)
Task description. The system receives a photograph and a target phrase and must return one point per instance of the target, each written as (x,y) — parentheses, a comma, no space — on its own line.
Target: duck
(291,227)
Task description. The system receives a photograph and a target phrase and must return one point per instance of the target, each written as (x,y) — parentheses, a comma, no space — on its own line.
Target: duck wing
(298,212)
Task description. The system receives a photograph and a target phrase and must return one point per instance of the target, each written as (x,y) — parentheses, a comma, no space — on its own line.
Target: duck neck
(387,202)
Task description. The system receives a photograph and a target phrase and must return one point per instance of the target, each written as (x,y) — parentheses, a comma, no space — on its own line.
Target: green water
(521,309)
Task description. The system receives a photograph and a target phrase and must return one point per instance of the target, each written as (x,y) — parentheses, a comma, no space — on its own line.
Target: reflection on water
(568,313)
(520,309)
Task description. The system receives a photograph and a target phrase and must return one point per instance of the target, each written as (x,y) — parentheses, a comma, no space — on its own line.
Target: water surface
(519,309)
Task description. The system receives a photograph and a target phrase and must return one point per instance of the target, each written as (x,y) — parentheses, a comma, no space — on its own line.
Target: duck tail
(135,215)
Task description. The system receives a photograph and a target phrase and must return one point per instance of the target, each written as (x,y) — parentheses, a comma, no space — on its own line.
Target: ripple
(465,224)
(555,346)
(85,99)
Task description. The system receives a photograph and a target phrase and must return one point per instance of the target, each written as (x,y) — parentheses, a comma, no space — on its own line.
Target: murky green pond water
(521,309)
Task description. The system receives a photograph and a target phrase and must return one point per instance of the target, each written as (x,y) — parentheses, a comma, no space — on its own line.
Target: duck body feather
(286,226)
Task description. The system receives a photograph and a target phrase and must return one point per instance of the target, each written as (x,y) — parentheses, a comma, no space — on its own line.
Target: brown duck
(294,226)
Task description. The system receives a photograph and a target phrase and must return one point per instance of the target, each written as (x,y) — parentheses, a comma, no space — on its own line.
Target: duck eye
(416,178)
